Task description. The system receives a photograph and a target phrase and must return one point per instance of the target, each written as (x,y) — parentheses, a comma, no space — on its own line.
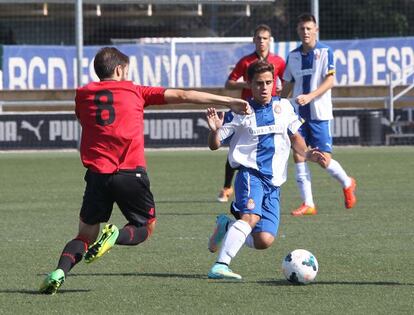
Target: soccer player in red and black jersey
(112,149)
(261,39)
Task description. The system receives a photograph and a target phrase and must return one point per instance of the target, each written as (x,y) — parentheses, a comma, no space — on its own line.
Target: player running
(112,150)
(259,147)
(310,73)
(262,38)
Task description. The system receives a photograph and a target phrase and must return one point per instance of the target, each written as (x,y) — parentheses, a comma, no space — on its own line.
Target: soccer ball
(300,266)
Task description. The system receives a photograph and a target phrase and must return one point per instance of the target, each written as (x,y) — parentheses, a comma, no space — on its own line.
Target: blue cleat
(220,271)
(219,232)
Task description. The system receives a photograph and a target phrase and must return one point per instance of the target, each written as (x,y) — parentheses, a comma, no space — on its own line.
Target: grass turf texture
(365,254)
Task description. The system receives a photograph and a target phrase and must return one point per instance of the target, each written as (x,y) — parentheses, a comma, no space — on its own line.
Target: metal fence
(26,22)
(53,22)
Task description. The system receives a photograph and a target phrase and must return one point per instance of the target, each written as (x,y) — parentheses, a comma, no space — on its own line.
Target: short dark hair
(259,66)
(306,17)
(261,28)
(106,60)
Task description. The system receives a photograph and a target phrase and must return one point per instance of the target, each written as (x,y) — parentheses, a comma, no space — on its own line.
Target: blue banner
(368,61)
(197,65)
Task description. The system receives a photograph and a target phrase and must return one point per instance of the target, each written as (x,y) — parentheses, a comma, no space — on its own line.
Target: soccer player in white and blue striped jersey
(310,74)
(259,147)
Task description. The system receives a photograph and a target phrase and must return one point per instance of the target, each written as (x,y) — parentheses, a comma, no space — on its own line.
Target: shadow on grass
(161,275)
(373,283)
(164,275)
(36,292)
(187,201)
(138,274)
(204,277)
(160,213)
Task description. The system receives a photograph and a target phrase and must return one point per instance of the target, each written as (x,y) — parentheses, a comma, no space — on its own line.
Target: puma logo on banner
(36,130)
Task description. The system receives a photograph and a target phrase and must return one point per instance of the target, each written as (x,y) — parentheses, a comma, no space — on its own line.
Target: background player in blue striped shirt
(259,146)
(310,74)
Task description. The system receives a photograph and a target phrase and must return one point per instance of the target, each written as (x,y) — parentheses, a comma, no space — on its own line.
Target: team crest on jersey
(278,109)
(317,54)
(250,204)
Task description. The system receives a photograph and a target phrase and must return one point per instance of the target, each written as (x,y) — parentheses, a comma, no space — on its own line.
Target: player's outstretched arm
(214,121)
(314,155)
(177,96)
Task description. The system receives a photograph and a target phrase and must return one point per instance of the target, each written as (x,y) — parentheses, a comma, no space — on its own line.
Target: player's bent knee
(327,161)
(323,164)
(88,232)
(263,241)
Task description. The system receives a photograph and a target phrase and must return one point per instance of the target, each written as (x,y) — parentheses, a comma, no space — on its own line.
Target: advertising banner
(176,129)
(38,131)
(189,64)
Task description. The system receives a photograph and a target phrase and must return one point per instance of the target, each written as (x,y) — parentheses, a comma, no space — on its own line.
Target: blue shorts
(317,134)
(256,195)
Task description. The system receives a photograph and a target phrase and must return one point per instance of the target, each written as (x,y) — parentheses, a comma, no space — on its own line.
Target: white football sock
(233,241)
(303,180)
(336,171)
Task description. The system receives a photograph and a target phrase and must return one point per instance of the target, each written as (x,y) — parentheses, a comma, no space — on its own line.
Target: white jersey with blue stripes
(261,140)
(308,71)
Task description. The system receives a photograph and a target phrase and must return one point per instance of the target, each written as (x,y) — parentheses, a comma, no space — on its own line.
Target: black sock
(132,235)
(72,254)
(228,175)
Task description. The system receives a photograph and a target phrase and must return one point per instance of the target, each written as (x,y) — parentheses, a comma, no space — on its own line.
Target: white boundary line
(173,149)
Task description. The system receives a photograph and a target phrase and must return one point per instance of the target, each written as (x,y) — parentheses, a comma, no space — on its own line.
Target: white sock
(233,241)
(303,180)
(336,171)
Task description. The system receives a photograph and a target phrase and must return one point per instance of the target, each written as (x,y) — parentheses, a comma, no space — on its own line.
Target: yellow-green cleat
(52,282)
(104,243)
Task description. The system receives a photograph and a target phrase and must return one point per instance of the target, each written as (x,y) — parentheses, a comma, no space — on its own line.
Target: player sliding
(112,150)
(259,148)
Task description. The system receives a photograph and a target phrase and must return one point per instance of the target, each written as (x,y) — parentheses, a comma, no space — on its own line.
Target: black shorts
(130,189)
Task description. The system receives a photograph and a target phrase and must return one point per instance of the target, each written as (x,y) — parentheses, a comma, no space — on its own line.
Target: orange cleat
(304,210)
(349,195)
(225,194)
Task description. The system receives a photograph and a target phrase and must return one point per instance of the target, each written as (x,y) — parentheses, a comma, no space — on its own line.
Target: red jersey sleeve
(238,71)
(152,95)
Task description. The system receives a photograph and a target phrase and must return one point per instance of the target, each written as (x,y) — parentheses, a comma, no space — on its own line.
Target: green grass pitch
(365,255)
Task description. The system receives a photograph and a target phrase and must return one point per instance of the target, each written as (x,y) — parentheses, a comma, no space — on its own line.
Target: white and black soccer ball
(300,266)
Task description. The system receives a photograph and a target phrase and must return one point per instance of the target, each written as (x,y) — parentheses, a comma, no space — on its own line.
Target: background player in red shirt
(261,38)
(112,150)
